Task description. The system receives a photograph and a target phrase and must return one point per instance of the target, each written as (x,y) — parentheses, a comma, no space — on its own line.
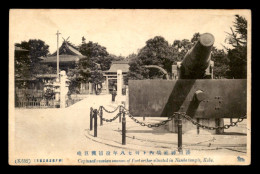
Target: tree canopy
(27,64)
(221,67)
(237,55)
(22,64)
(37,48)
(158,51)
(96,53)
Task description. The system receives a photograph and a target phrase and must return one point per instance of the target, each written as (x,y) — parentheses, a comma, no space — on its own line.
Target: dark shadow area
(178,95)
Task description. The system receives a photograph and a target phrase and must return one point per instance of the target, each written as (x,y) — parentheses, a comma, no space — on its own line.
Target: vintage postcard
(129,87)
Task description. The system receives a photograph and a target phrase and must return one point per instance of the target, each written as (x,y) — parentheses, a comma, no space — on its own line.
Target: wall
(160,98)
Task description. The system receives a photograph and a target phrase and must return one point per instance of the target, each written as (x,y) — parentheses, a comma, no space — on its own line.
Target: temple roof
(67,54)
(67,49)
(118,65)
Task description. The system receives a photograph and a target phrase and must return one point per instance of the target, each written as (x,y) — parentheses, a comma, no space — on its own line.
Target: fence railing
(32,98)
(27,98)
(178,116)
(42,103)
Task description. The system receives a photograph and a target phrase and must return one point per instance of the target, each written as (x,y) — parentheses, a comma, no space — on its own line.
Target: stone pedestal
(189,128)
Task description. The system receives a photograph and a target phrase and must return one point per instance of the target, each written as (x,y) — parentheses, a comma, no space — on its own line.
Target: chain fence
(226,126)
(183,115)
(112,119)
(101,108)
(174,116)
(108,110)
(150,125)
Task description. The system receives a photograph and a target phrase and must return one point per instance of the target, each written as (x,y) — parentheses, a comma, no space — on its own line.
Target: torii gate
(160,68)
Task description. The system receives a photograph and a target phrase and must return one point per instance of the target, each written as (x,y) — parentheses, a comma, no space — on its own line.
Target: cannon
(192,91)
(197,59)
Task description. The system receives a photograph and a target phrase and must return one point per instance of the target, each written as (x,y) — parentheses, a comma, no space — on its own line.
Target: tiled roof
(74,50)
(119,66)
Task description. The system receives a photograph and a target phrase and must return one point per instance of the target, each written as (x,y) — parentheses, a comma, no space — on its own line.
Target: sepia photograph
(129,87)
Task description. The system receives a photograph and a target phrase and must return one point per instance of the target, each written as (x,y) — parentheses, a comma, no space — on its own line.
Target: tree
(220,59)
(22,66)
(157,51)
(181,48)
(89,69)
(195,38)
(83,40)
(237,55)
(37,49)
(85,71)
(130,57)
(96,53)
(80,74)
(116,58)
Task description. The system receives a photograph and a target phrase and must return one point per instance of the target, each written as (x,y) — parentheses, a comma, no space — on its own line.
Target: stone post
(107,85)
(89,88)
(63,89)
(119,85)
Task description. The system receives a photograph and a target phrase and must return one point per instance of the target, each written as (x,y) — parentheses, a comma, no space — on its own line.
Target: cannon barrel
(197,59)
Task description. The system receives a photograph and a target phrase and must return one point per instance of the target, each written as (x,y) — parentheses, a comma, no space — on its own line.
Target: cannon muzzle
(197,59)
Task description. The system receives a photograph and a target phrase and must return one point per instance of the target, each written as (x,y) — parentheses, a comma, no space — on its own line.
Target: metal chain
(210,127)
(240,119)
(149,125)
(109,111)
(145,124)
(110,120)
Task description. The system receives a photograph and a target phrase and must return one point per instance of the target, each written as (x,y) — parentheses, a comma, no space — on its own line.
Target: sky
(122,32)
